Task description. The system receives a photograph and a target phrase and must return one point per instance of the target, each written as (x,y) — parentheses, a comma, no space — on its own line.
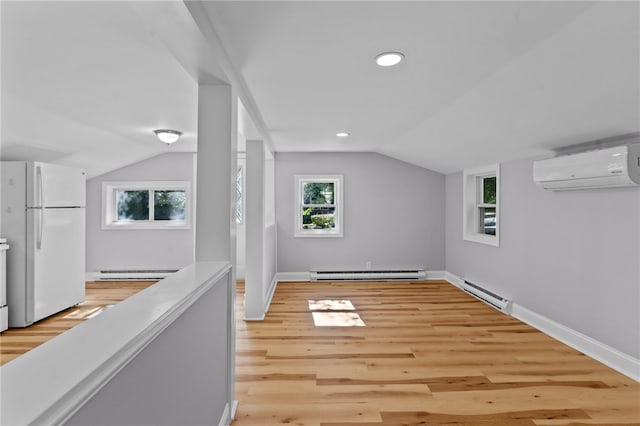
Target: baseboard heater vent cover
(134,274)
(486,296)
(369,275)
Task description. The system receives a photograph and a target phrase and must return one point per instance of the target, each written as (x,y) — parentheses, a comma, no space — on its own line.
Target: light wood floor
(99,295)
(428,355)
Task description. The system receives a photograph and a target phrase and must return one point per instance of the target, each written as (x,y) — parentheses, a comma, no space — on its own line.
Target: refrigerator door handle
(40,212)
(40,186)
(40,229)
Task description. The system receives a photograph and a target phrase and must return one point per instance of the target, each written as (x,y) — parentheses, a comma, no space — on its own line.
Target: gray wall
(573,257)
(393,213)
(179,379)
(139,249)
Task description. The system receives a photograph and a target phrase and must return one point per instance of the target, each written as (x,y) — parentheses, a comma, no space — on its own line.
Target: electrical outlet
(368,264)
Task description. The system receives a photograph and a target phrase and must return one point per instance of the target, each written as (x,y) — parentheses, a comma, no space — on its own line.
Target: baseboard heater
(134,274)
(368,275)
(486,296)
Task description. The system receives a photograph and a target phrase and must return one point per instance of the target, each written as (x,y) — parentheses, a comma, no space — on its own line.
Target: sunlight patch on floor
(331,305)
(337,319)
(334,313)
(81,313)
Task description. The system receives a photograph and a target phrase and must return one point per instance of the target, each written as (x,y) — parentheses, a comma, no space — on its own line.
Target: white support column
(215,231)
(215,186)
(254,232)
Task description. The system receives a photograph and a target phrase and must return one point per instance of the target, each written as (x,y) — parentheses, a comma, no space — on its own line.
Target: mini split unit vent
(603,168)
(369,275)
(486,296)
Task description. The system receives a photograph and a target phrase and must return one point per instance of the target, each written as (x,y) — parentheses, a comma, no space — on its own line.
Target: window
(239,196)
(146,205)
(318,208)
(481,205)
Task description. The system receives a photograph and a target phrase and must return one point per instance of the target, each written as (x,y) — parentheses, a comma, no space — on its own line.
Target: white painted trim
(240,271)
(258,318)
(436,275)
(470,201)
(92,276)
(338,231)
(224,419)
(293,276)
(272,291)
(109,205)
(267,305)
(229,413)
(453,279)
(611,357)
(234,409)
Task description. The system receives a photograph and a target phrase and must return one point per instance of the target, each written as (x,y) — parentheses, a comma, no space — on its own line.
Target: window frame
(241,198)
(337,231)
(473,203)
(110,205)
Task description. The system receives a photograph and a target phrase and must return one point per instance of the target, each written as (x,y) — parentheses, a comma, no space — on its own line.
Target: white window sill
(490,240)
(128,226)
(317,234)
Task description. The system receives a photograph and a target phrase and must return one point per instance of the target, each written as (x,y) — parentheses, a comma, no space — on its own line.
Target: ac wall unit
(368,275)
(604,168)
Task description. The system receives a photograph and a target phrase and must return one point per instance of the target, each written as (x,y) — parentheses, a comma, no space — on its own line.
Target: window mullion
(151,205)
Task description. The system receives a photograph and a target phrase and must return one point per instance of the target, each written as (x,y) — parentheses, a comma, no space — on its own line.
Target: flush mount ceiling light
(168,136)
(389,59)
(342,134)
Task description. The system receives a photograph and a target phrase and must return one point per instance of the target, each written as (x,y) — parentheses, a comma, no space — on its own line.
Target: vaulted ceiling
(85,83)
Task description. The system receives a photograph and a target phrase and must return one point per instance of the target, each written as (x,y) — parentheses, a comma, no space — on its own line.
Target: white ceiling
(85,83)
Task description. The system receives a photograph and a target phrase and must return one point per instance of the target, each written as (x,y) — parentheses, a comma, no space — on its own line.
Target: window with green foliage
(487,206)
(145,205)
(318,206)
(481,205)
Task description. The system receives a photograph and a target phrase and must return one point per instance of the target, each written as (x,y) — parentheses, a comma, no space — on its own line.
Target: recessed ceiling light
(168,136)
(389,59)
(342,134)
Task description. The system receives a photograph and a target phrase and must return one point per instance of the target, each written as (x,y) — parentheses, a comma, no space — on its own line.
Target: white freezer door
(55,269)
(50,185)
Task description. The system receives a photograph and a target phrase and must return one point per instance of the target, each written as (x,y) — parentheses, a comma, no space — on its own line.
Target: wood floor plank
(428,354)
(99,295)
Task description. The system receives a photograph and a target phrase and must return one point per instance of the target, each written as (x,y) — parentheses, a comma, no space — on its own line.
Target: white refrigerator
(43,220)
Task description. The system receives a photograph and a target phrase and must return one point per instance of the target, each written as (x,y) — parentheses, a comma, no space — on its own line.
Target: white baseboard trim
(240,272)
(267,305)
(92,276)
(453,279)
(292,276)
(225,419)
(272,291)
(436,275)
(611,357)
(234,408)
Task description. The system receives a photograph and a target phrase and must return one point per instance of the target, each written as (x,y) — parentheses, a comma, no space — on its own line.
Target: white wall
(573,257)
(393,213)
(261,236)
(139,249)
